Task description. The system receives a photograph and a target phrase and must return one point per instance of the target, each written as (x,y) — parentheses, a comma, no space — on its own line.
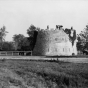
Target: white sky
(18,15)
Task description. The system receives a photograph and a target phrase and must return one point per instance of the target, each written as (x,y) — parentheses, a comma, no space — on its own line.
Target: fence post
(6,53)
(31,53)
(24,54)
(12,53)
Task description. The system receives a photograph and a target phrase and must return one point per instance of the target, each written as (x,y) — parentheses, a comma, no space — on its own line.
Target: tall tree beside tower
(83,39)
(32,31)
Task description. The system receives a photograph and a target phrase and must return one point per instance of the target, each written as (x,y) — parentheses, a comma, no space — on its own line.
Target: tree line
(22,43)
(19,42)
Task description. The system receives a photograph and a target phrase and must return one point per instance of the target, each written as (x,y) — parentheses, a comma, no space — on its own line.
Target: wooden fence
(16,53)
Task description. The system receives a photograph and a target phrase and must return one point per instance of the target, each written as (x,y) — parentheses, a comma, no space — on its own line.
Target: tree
(7,46)
(30,30)
(25,44)
(80,43)
(18,40)
(2,35)
(21,42)
(83,40)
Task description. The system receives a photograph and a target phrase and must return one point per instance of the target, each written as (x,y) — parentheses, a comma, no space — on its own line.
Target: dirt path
(71,59)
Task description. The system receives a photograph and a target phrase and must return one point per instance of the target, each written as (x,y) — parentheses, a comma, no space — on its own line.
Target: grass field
(42,74)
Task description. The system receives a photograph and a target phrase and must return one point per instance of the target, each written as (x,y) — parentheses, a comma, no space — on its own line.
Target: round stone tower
(53,42)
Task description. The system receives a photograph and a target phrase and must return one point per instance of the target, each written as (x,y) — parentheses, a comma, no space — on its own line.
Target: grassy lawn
(42,74)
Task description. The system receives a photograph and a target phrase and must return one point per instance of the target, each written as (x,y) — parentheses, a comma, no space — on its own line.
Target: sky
(18,15)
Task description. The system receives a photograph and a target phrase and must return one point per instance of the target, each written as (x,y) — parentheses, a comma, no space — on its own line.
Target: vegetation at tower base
(55,42)
(71,38)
